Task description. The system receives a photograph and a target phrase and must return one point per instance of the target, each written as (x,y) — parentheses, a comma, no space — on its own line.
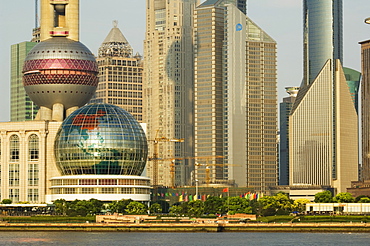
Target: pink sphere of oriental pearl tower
(60,75)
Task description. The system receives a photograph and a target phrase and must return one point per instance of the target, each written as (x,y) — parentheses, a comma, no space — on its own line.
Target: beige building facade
(27,160)
(120,74)
(168,87)
(235,97)
(324,133)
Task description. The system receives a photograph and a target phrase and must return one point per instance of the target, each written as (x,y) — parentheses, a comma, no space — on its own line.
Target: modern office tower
(322,35)
(21,106)
(120,74)
(168,86)
(323,130)
(235,96)
(60,18)
(285,108)
(323,133)
(365,107)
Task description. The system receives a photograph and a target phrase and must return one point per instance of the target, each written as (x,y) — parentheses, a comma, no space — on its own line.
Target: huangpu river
(165,239)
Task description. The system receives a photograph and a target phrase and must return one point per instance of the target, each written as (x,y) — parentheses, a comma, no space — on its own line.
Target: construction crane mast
(155,158)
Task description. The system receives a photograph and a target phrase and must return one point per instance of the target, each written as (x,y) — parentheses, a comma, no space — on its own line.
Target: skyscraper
(168,82)
(285,108)
(365,106)
(235,96)
(323,122)
(120,74)
(21,106)
(322,35)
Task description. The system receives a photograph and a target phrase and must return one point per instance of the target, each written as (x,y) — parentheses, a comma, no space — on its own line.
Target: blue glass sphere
(100,139)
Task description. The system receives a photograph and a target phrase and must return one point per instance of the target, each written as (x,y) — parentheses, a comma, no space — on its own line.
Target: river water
(164,239)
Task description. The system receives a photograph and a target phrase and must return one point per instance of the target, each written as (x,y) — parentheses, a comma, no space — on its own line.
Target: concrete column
(58,112)
(71,110)
(45,113)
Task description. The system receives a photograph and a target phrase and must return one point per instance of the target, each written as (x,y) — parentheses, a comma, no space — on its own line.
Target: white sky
(281,19)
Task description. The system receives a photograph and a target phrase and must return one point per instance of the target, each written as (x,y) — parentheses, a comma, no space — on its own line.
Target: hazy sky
(281,19)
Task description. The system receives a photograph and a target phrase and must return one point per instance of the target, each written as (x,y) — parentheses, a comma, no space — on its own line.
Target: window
(33,174)
(14,148)
(13,174)
(33,195)
(33,148)
(14,195)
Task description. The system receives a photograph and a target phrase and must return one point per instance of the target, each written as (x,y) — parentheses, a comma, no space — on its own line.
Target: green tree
(238,205)
(344,197)
(136,208)
(6,201)
(195,208)
(300,204)
(155,208)
(364,200)
(215,205)
(119,206)
(176,210)
(323,197)
(357,199)
(278,204)
(61,206)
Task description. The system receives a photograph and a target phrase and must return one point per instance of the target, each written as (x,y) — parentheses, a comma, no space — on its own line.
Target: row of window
(32,195)
(104,190)
(58,182)
(14,148)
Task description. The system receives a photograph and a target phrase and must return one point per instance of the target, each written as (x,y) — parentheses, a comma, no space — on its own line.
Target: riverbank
(188,227)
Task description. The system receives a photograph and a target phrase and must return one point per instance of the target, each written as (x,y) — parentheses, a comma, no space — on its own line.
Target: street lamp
(196,189)
(367,20)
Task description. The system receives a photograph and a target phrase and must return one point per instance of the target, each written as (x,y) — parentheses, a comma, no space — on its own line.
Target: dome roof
(101,139)
(61,48)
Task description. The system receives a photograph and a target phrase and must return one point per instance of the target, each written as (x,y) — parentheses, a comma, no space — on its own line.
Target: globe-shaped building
(60,71)
(100,139)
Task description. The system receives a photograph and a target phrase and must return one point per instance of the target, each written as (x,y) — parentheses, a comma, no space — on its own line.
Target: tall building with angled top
(120,74)
(235,97)
(323,125)
(168,87)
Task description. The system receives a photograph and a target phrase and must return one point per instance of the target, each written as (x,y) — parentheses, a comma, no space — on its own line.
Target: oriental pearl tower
(60,73)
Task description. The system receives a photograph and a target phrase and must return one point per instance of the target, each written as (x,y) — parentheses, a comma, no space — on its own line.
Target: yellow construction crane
(174,159)
(155,158)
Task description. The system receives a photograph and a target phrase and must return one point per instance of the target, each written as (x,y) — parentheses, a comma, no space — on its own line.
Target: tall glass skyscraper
(21,106)
(322,35)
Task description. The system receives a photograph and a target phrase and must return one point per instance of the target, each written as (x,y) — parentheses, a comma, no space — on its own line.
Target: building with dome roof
(120,74)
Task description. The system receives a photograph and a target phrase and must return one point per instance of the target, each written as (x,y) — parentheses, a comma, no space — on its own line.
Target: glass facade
(21,106)
(101,139)
(322,35)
